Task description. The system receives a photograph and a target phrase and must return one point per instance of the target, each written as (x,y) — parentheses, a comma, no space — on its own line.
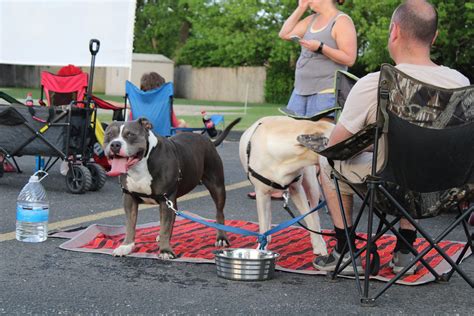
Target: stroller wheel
(98,176)
(78,179)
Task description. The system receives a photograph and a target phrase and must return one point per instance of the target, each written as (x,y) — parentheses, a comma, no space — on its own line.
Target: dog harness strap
(269,182)
(258,176)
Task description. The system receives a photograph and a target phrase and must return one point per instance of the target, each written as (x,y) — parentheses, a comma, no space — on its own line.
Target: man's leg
(328,263)
(401,254)
(335,211)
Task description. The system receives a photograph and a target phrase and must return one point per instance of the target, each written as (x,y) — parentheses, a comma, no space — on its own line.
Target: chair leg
(365,299)
(380,232)
(16,164)
(447,276)
(433,243)
(351,250)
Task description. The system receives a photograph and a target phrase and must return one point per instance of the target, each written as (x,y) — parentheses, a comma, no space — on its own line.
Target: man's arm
(339,134)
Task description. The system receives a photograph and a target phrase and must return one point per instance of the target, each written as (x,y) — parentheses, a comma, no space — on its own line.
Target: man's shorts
(355,170)
(309,105)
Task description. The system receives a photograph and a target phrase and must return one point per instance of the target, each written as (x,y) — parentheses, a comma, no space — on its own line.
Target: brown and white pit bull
(276,155)
(150,166)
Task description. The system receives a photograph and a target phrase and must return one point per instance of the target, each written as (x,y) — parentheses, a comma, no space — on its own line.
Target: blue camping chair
(157,105)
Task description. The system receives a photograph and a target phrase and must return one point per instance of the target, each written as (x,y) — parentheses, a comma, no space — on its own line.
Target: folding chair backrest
(155,105)
(344,83)
(61,90)
(429,133)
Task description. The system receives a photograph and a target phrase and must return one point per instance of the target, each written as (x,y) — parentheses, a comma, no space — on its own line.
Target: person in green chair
(328,42)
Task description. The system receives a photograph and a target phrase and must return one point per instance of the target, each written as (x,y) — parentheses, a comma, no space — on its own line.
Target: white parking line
(119,211)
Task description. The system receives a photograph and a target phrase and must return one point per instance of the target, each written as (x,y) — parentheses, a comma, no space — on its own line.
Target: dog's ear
(145,123)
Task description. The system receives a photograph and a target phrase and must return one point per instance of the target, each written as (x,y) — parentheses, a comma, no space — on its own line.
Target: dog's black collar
(258,176)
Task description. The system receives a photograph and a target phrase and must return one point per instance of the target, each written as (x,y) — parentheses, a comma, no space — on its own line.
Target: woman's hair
(340,2)
(151,80)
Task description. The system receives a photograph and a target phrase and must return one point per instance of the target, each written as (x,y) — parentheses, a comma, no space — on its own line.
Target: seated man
(413,29)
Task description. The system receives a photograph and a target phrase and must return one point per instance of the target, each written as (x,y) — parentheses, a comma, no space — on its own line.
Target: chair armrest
(345,149)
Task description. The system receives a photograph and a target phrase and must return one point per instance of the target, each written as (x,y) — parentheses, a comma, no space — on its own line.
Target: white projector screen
(57,32)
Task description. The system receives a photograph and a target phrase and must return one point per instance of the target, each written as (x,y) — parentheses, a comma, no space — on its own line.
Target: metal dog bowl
(245,264)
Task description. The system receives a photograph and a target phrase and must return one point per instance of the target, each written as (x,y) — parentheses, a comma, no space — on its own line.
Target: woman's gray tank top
(315,72)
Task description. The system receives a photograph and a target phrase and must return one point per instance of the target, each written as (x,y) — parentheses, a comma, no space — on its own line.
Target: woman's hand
(304,4)
(311,45)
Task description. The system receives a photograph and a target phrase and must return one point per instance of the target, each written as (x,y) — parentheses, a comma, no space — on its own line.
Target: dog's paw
(166,255)
(320,249)
(123,250)
(222,242)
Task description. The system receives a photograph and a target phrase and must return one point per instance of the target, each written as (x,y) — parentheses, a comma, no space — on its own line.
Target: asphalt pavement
(43,279)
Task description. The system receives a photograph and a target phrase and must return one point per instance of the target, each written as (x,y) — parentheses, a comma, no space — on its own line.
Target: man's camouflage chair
(427,134)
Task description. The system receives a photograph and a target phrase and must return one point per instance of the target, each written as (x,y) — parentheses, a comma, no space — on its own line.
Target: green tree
(230,33)
(161,27)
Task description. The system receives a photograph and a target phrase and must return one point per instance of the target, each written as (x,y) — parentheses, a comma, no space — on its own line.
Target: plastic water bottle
(209,124)
(29,99)
(32,212)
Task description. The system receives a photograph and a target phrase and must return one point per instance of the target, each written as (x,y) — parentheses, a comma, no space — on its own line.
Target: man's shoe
(401,259)
(328,263)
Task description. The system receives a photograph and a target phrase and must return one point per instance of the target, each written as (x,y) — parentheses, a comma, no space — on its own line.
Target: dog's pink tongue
(118,167)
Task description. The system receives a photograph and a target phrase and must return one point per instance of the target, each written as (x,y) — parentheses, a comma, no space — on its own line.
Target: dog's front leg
(311,186)
(264,211)
(130,206)
(167,217)
(298,196)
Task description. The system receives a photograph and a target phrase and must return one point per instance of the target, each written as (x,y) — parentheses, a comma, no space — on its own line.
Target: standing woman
(328,43)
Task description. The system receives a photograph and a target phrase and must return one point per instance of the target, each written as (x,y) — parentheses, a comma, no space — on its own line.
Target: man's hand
(312,45)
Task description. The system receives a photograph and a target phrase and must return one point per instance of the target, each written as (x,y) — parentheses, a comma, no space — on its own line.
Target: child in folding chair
(153,80)
(413,29)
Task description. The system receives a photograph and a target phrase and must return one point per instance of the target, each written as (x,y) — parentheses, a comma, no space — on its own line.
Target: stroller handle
(92,49)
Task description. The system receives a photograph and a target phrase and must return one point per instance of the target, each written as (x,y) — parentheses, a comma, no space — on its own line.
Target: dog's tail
(220,138)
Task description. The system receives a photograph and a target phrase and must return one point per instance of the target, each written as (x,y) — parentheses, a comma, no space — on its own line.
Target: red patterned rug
(193,242)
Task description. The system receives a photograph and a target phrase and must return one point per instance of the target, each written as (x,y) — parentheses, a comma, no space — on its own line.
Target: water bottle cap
(34,178)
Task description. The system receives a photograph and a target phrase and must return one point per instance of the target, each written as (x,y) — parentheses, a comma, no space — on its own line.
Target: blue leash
(262,238)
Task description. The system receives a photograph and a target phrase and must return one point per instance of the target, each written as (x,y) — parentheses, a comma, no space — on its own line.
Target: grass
(254,110)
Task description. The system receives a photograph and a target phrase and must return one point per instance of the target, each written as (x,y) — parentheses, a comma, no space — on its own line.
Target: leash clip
(286,198)
(170,204)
